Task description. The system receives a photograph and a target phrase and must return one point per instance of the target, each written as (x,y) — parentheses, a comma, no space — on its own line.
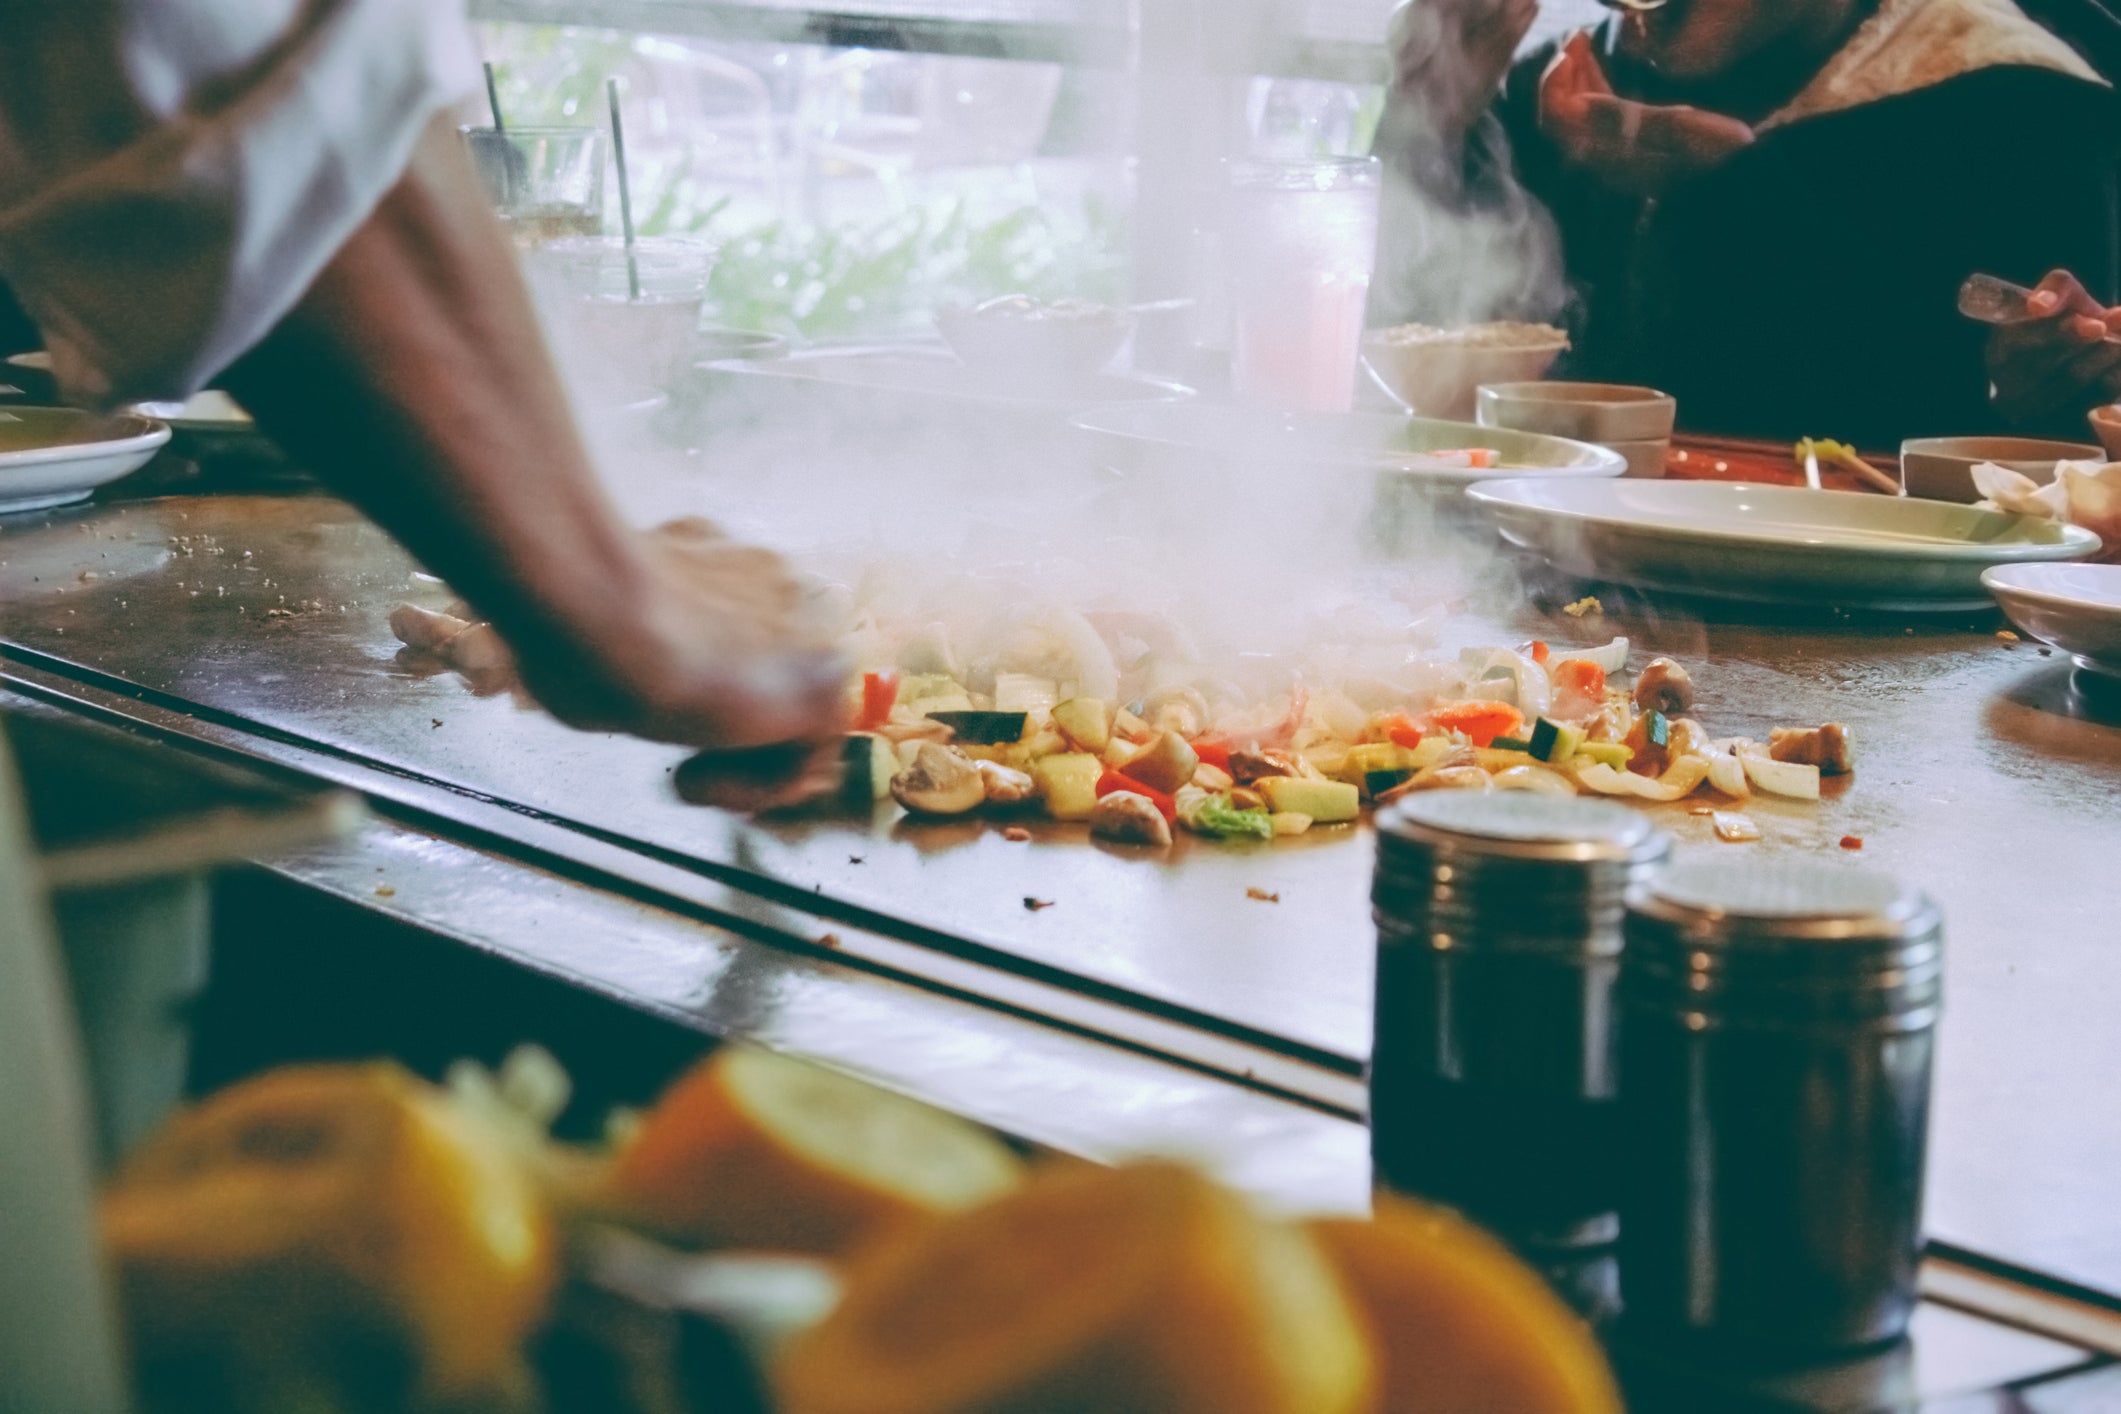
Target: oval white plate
(208,410)
(1366,441)
(2075,607)
(49,456)
(1773,544)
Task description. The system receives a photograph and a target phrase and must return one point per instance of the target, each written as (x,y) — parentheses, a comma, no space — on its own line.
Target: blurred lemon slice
(754,1150)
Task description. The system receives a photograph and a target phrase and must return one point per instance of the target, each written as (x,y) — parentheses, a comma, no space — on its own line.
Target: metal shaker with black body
(1492,1081)
(1778,1024)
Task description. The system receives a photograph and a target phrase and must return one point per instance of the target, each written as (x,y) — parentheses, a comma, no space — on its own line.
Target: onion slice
(1612,658)
(1794,779)
(1677,782)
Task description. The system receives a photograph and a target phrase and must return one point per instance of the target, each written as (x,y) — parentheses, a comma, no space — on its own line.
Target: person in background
(271,193)
(1765,207)
(2051,367)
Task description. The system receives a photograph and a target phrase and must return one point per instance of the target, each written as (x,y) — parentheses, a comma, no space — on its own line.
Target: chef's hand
(1449,57)
(1641,149)
(413,378)
(712,648)
(2055,360)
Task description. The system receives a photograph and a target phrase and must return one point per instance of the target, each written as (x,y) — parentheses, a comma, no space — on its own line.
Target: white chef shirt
(175,173)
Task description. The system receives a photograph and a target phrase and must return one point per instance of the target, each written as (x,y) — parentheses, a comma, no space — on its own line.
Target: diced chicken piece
(1212,778)
(1005,785)
(1127,818)
(1663,686)
(1831,748)
(1254,763)
(1611,722)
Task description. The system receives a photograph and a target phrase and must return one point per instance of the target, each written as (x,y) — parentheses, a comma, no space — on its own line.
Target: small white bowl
(1607,413)
(1942,468)
(1438,376)
(2106,426)
(1022,338)
(2075,607)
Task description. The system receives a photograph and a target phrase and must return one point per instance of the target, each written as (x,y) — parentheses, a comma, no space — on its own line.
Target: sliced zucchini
(974,728)
(1555,741)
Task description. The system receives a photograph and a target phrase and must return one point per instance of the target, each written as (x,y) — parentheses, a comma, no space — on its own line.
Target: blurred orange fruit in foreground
(322,1228)
(1461,1325)
(1105,1291)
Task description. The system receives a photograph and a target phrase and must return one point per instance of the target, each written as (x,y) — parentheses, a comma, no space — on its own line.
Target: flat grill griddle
(1983,777)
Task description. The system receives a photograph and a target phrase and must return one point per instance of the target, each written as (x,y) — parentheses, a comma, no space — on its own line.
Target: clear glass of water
(1299,243)
(546,183)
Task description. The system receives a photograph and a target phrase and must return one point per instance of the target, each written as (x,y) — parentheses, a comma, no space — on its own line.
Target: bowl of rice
(1435,370)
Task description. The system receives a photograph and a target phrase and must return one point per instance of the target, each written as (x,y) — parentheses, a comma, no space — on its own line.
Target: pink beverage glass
(1300,241)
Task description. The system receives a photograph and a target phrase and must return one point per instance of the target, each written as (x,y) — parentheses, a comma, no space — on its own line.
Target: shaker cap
(1517,825)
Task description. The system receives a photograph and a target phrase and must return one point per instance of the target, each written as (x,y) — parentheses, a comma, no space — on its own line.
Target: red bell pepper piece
(1480,721)
(1399,729)
(879,696)
(1114,781)
(1540,651)
(1215,750)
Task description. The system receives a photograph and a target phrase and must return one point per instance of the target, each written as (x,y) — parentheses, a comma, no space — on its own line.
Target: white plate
(2075,607)
(1774,544)
(49,456)
(209,410)
(1366,441)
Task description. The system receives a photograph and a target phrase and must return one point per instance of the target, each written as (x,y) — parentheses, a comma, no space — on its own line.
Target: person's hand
(716,649)
(1639,148)
(1449,57)
(2056,359)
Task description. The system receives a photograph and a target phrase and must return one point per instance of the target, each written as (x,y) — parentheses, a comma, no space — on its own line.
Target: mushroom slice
(1663,686)
(1831,747)
(1127,818)
(939,781)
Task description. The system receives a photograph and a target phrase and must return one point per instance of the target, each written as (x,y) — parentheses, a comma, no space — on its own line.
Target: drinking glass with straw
(618,157)
(624,308)
(545,182)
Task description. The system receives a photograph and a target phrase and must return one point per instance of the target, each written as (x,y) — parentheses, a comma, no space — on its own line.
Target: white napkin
(2083,493)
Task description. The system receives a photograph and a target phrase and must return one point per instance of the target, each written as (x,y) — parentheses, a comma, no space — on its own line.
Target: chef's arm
(414,379)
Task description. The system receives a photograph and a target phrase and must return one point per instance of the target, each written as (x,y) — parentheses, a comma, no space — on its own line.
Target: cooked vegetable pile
(1538,719)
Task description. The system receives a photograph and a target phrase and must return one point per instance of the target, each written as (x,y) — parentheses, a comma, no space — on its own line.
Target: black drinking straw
(493,100)
(618,157)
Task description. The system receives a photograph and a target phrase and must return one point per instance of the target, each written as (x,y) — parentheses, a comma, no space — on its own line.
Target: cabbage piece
(1217,817)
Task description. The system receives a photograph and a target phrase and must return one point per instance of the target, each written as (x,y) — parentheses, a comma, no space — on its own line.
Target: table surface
(1985,776)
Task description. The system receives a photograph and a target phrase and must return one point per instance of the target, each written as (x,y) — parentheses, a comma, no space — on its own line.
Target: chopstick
(1809,449)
